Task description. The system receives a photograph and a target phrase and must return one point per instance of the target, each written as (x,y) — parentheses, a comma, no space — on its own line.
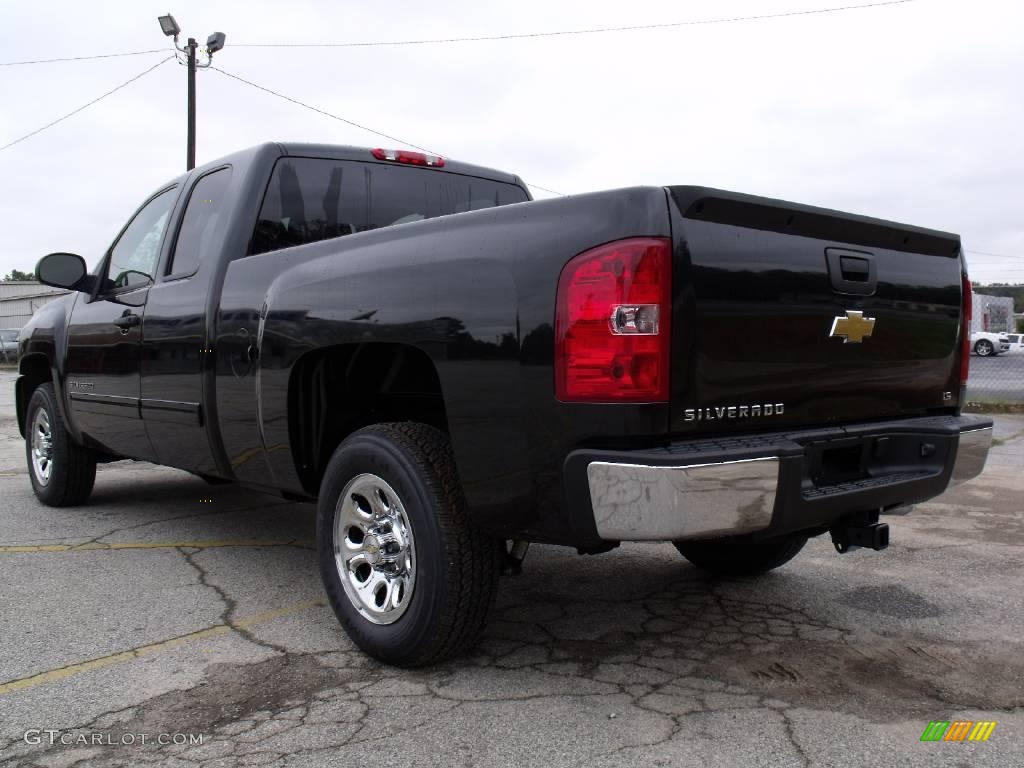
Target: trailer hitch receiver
(860,530)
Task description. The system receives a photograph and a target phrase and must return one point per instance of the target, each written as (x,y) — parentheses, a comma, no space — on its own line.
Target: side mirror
(63,270)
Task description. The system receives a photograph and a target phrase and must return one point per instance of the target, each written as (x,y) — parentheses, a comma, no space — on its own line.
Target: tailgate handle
(855,268)
(852,272)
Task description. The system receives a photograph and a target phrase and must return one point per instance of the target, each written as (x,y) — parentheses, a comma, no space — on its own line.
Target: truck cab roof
(344,152)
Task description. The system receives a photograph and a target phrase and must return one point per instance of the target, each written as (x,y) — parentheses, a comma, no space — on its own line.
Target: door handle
(126,321)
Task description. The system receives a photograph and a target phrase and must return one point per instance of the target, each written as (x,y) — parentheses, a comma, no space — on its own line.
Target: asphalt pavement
(171,611)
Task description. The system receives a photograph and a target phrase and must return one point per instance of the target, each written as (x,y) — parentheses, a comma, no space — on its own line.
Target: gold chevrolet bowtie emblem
(853,328)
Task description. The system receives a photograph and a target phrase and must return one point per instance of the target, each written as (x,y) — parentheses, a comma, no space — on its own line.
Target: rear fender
(460,312)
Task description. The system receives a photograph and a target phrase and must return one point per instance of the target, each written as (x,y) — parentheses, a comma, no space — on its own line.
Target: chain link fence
(997,353)
(997,380)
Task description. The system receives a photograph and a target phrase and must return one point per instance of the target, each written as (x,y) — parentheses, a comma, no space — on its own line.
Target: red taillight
(410,158)
(612,323)
(965,331)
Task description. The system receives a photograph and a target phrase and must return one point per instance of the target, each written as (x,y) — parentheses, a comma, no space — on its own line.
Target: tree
(1015,292)
(17,274)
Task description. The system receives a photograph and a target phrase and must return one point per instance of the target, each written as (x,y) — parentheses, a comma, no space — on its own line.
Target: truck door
(306,200)
(177,356)
(105,334)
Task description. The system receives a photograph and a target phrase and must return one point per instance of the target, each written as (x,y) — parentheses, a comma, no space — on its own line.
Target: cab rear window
(311,199)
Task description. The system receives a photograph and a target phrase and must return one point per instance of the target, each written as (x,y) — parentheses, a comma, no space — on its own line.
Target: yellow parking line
(146,650)
(92,545)
(259,618)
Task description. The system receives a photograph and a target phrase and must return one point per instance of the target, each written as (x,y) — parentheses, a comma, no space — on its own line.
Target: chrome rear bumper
(633,502)
(645,496)
(971,454)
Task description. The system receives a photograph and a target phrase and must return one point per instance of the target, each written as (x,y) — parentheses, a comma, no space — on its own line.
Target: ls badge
(853,328)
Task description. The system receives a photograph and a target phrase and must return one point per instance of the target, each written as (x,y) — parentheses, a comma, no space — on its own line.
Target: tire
(741,557)
(440,585)
(62,472)
(984,348)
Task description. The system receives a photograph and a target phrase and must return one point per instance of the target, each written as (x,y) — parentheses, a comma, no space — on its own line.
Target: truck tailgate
(786,315)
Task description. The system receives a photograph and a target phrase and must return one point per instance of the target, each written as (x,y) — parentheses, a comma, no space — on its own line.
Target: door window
(133,257)
(204,213)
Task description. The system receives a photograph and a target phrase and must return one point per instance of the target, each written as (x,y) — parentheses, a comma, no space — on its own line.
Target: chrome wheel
(373,549)
(984,348)
(42,447)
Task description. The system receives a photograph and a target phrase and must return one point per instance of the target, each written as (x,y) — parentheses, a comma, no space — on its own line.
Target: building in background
(992,313)
(19,300)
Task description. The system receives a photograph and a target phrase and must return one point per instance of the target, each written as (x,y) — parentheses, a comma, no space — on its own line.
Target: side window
(204,212)
(133,257)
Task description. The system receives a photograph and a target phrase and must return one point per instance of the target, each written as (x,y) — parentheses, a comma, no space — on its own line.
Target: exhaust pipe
(860,530)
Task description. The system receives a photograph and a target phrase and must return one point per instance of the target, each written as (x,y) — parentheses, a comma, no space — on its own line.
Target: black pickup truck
(451,371)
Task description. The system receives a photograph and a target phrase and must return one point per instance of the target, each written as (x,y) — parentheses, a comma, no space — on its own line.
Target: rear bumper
(971,454)
(765,485)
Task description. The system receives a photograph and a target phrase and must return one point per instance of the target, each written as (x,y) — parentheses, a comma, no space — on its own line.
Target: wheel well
(337,390)
(33,370)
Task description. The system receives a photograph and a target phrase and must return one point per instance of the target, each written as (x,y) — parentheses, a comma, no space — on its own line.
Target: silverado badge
(853,328)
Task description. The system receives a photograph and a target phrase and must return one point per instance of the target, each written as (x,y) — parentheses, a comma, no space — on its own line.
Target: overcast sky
(906,112)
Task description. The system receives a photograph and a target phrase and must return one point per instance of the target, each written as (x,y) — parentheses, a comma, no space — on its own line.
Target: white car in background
(986,344)
(1016,342)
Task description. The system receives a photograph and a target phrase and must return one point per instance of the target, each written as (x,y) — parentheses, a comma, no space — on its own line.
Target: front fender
(41,347)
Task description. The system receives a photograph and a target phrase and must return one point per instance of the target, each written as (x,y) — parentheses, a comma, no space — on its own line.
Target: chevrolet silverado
(452,371)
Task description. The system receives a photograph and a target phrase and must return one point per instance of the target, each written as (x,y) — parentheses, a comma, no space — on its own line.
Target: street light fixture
(169,26)
(214,43)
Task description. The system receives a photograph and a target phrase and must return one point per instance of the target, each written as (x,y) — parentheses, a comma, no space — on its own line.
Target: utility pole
(190,153)
(213,44)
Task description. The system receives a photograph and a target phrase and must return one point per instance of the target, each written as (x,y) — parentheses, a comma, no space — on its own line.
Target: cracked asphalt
(167,606)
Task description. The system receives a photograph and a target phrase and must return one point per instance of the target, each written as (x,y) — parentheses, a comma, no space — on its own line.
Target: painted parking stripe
(61,673)
(93,546)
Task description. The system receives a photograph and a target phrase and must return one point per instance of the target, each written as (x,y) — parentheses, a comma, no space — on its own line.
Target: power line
(322,112)
(544,189)
(994,255)
(84,106)
(484,38)
(354,124)
(81,58)
(590,31)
